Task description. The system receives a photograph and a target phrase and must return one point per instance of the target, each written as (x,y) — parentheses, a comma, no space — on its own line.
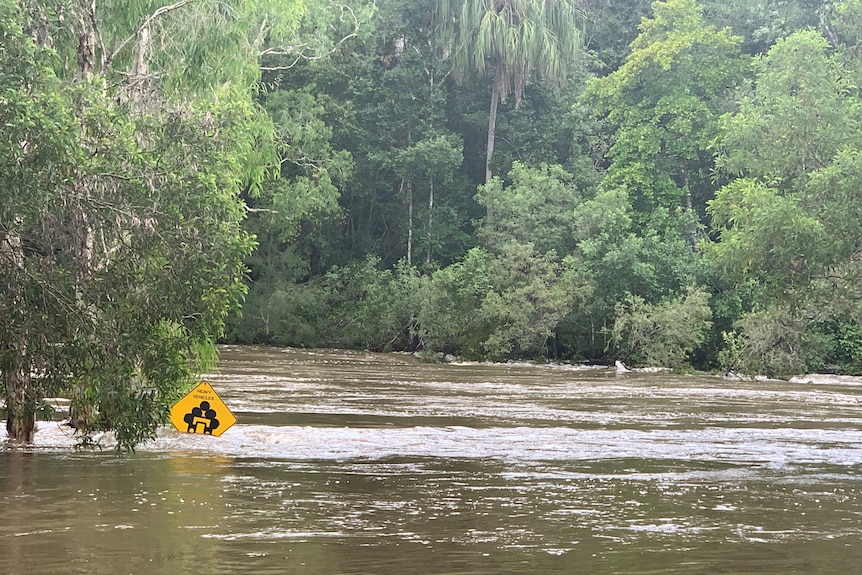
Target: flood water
(360,463)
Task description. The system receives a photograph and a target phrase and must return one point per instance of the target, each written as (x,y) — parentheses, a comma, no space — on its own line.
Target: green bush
(773,342)
(499,305)
(662,334)
(371,308)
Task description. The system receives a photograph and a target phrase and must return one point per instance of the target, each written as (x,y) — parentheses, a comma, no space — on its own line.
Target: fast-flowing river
(360,463)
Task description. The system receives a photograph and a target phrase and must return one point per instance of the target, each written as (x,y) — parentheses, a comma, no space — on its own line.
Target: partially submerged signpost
(202,411)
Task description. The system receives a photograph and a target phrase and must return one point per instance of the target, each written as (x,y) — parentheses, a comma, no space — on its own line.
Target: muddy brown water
(360,463)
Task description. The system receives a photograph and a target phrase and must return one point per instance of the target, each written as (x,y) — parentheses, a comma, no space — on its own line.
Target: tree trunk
(81,409)
(690,210)
(409,221)
(139,78)
(83,250)
(81,413)
(21,402)
(86,40)
(140,66)
(429,235)
(492,126)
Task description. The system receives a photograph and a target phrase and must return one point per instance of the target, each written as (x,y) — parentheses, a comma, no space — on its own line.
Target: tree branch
(144,24)
(288,50)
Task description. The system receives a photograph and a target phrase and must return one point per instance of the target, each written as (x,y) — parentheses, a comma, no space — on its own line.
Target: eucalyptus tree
(129,133)
(37,146)
(515,39)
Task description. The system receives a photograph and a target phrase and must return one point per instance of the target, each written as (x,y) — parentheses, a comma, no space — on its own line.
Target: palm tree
(514,37)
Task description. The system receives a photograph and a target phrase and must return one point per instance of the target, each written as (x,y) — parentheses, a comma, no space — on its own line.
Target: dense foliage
(121,241)
(674,183)
(684,196)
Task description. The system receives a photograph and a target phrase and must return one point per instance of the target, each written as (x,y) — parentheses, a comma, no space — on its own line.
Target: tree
(768,236)
(664,103)
(789,222)
(537,207)
(623,258)
(37,153)
(385,97)
(515,38)
(610,27)
(796,117)
(288,216)
(432,160)
(123,165)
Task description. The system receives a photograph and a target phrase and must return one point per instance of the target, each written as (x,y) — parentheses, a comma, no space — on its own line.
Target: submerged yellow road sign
(202,411)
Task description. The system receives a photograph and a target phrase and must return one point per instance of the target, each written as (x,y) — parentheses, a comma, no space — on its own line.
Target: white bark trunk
(409,221)
(492,126)
(429,235)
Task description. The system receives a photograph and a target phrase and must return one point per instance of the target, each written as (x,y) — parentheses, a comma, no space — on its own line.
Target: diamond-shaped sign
(202,411)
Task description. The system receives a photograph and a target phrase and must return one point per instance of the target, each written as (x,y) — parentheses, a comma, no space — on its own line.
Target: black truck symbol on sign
(203,415)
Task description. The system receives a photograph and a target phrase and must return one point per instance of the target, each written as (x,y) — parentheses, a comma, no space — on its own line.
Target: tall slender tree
(515,39)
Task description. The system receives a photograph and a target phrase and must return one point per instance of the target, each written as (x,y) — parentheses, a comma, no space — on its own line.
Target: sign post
(202,411)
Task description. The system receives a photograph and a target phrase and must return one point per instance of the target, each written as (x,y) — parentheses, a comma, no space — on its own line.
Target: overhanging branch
(145,24)
(298,51)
